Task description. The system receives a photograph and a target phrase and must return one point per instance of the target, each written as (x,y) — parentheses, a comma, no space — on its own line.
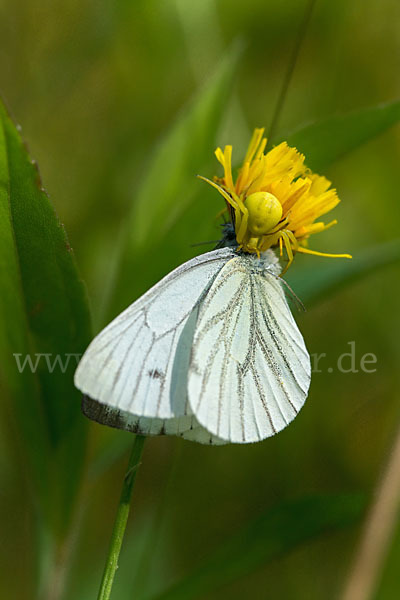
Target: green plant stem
(121,519)
(290,68)
(380,525)
(149,551)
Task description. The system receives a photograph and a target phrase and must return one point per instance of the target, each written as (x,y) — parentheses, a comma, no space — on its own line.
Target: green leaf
(43,310)
(169,183)
(328,140)
(314,283)
(273,534)
(166,189)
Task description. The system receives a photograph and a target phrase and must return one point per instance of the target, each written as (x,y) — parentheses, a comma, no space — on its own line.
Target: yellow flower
(275,199)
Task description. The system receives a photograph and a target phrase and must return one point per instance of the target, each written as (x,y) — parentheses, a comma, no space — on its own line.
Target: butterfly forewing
(250,371)
(134,367)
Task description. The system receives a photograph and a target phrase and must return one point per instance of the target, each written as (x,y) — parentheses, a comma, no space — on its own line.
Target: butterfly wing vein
(250,371)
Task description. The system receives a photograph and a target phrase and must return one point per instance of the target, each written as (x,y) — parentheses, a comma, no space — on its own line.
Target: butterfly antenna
(295,297)
(297,300)
(204,243)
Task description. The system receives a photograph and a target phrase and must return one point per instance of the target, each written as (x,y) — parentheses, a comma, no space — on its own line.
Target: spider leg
(292,238)
(242,224)
(281,225)
(288,248)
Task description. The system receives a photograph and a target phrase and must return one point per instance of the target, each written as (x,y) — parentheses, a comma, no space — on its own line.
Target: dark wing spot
(155,374)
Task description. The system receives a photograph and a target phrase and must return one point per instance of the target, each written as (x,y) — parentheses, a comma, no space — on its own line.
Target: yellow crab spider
(275,199)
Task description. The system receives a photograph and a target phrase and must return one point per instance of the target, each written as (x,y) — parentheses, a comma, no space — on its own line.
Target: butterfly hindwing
(250,370)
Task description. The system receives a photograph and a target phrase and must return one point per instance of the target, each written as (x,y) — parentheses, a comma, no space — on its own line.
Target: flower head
(276,199)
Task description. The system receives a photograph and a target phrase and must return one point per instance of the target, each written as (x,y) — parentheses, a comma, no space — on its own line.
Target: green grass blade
(167,186)
(43,310)
(14,337)
(169,183)
(328,140)
(273,534)
(314,283)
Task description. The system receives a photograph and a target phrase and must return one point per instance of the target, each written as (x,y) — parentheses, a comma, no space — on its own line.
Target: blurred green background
(94,86)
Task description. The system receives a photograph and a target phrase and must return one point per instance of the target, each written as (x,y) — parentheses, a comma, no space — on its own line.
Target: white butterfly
(211,353)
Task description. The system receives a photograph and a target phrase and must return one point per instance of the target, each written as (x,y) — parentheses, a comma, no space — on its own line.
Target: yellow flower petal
(303,195)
